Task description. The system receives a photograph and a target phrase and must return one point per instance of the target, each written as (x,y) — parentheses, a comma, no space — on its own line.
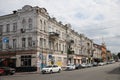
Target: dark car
(78,66)
(8,70)
(1,71)
(95,64)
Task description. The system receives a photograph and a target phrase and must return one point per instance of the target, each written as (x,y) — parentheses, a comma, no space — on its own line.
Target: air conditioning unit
(22,30)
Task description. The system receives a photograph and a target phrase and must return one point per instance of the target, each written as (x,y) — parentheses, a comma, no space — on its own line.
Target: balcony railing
(53,35)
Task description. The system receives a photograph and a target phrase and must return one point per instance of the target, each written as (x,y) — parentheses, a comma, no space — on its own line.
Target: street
(106,72)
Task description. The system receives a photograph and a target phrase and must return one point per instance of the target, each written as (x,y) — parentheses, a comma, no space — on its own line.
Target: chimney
(14,12)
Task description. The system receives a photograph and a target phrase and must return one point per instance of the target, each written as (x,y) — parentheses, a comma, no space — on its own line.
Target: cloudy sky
(97,19)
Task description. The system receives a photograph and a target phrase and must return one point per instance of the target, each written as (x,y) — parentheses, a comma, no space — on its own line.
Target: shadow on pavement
(115,71)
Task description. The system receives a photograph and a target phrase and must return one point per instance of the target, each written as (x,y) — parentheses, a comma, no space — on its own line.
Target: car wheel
(43,73)
(59,70)
(5,73)
(51,71)
(11,73)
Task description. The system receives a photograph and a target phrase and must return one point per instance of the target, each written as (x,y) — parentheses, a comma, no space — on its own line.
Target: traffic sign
(5,40)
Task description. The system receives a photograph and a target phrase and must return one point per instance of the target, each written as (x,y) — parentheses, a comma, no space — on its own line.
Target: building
(97,53)
(30,34)
(30,37)
(104,52)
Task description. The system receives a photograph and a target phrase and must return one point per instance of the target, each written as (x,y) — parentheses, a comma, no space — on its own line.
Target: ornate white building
(30,36)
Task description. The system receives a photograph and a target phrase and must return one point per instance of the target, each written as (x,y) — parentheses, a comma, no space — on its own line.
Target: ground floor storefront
(30,60)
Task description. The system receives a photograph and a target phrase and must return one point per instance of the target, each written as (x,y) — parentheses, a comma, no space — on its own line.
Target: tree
(118,55)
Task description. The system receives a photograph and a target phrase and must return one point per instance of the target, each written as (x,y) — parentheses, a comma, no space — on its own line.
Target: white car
(101,64)
(84,65)
(70,67)
(51,69)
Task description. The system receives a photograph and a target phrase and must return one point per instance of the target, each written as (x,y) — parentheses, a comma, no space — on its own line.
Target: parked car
(95,64)
(78,66)
(70,67)
(8,70)
(51,69)
(1,71)
(89,65)
(101,63)
(84,65)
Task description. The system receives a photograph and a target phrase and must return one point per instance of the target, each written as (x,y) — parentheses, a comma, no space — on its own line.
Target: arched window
(24,23)
(30,23)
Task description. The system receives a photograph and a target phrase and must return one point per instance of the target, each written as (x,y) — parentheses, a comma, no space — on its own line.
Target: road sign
(5,40)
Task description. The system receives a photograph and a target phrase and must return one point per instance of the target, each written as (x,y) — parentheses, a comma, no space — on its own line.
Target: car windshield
(48,66)
(70,65)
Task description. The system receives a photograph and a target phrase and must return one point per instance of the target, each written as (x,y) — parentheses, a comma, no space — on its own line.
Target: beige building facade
(29,37)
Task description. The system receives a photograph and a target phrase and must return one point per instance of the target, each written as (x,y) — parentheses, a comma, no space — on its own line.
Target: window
(44,43)
(26,60)
(8,28)
(14,26)
(29,41)
(40,24)
(50,29)
(41,42)
(49,44)
(1,44)
(24,23)
(14,43)
(59,33)
(63,47)
(30,23)
(44,26)
(7,44)
(1,28)
(23,42)
(59,59)
(59,47)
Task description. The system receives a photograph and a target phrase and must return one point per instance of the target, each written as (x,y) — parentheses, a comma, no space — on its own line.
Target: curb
(27,73)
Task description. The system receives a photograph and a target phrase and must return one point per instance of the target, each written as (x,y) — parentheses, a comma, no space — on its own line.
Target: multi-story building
(104,52)
(30,33)
(30,37)
(97,53)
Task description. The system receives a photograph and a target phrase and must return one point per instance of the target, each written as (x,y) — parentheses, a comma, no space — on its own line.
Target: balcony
(53,35)
(71,41)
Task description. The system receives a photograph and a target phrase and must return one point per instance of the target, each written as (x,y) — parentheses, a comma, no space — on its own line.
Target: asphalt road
(106,72)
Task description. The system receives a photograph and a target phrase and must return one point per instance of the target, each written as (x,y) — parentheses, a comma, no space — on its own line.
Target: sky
(98,20)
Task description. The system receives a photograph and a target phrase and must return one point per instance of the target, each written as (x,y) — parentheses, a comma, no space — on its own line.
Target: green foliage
(69,51)
(118,55)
